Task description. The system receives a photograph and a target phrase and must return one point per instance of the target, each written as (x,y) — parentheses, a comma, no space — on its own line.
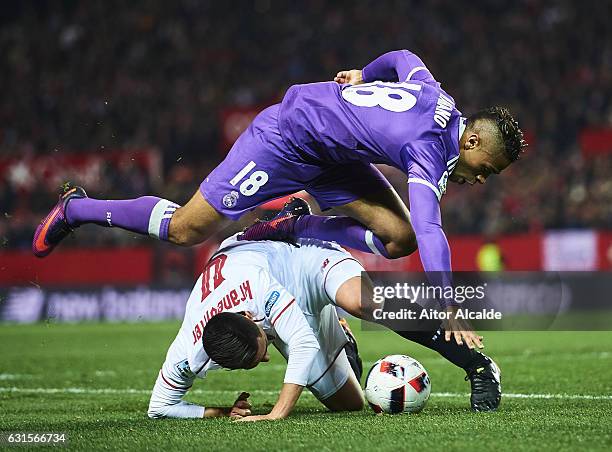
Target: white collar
(462,122)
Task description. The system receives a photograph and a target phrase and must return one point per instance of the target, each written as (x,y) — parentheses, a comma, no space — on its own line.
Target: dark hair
(510,135)
(230,340)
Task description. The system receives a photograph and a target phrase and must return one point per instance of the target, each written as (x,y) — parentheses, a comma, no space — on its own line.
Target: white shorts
(330,369)
(333,378)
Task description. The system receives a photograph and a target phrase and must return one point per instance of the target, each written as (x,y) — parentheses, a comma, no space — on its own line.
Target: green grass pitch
(93,381)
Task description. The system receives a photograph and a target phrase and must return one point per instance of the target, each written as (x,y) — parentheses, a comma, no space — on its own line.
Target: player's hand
(352,77)
(261,417)
(241,407)
(461,330)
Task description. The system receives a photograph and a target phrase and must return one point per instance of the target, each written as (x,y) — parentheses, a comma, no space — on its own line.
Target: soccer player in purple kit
(324,138)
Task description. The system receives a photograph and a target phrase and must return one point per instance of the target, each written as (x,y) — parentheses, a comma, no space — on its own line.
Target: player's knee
(401,244)
(357,404)
(181,232)
(348,398)
(354,404)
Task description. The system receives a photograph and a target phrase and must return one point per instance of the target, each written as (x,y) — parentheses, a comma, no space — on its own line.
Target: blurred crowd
(82,76)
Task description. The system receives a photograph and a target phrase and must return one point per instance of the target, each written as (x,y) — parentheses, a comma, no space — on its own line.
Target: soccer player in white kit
(290,293)
(252,293)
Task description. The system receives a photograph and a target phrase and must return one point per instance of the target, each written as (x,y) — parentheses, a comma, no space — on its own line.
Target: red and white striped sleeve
(173,382)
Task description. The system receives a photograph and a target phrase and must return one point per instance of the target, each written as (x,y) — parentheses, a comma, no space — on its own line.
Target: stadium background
(138,97)
(146,97)
(130,99)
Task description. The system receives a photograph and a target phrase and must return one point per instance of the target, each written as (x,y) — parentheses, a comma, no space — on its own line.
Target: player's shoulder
(247,264)
(433,95)
(245,252)
(236,262)
(437,116)
(316,249)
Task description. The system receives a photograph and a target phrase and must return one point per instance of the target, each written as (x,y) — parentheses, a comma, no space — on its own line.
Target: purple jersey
(324,137)
(400,117)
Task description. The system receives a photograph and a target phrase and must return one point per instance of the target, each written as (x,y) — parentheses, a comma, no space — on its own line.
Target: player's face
(476,162)
(262,350)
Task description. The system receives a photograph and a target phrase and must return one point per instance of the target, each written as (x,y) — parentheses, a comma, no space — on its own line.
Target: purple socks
(145,215)
(343,230)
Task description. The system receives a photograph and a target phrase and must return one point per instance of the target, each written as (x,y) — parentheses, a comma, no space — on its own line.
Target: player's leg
(355,297)
(336,386)
(333,379)
(160,218)
(253,172)
(384,214)
(157,217)
(350,395)
(195,221)
(145,215)
(378,221)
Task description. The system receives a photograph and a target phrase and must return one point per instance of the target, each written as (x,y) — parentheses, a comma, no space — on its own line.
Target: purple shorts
(261,167)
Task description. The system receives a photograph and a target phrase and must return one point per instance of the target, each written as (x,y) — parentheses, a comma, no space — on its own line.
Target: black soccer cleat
(54,228)
(279,228)
(486,386)
(352,352)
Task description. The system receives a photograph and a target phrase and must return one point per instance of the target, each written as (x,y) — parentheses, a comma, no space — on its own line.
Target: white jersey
(284,287)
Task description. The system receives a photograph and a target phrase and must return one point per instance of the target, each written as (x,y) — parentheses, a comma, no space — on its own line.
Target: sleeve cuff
(364,75)
(293,381)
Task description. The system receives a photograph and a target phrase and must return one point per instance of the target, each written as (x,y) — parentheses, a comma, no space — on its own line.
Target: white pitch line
(92,391)
(95,391)
(439,361)
(532,396)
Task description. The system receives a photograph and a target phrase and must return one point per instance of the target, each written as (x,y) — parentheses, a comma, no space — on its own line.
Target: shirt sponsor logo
(184,370)
(273,298)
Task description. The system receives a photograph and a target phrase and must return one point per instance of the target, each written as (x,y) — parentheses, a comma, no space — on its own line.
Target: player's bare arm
(291,328)
(288,397)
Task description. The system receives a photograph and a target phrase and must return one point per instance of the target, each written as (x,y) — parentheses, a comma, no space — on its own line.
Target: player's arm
(167,399)
(427,223)
(397,66)
(292,328)
(435,251)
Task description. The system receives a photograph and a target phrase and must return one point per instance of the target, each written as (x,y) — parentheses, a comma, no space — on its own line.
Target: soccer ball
(397,384)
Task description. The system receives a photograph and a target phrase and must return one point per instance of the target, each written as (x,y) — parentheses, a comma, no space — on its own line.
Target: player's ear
(472,141)
(247,314)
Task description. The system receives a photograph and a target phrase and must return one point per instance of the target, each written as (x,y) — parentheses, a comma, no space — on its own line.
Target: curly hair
(509,134)
(230,340)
